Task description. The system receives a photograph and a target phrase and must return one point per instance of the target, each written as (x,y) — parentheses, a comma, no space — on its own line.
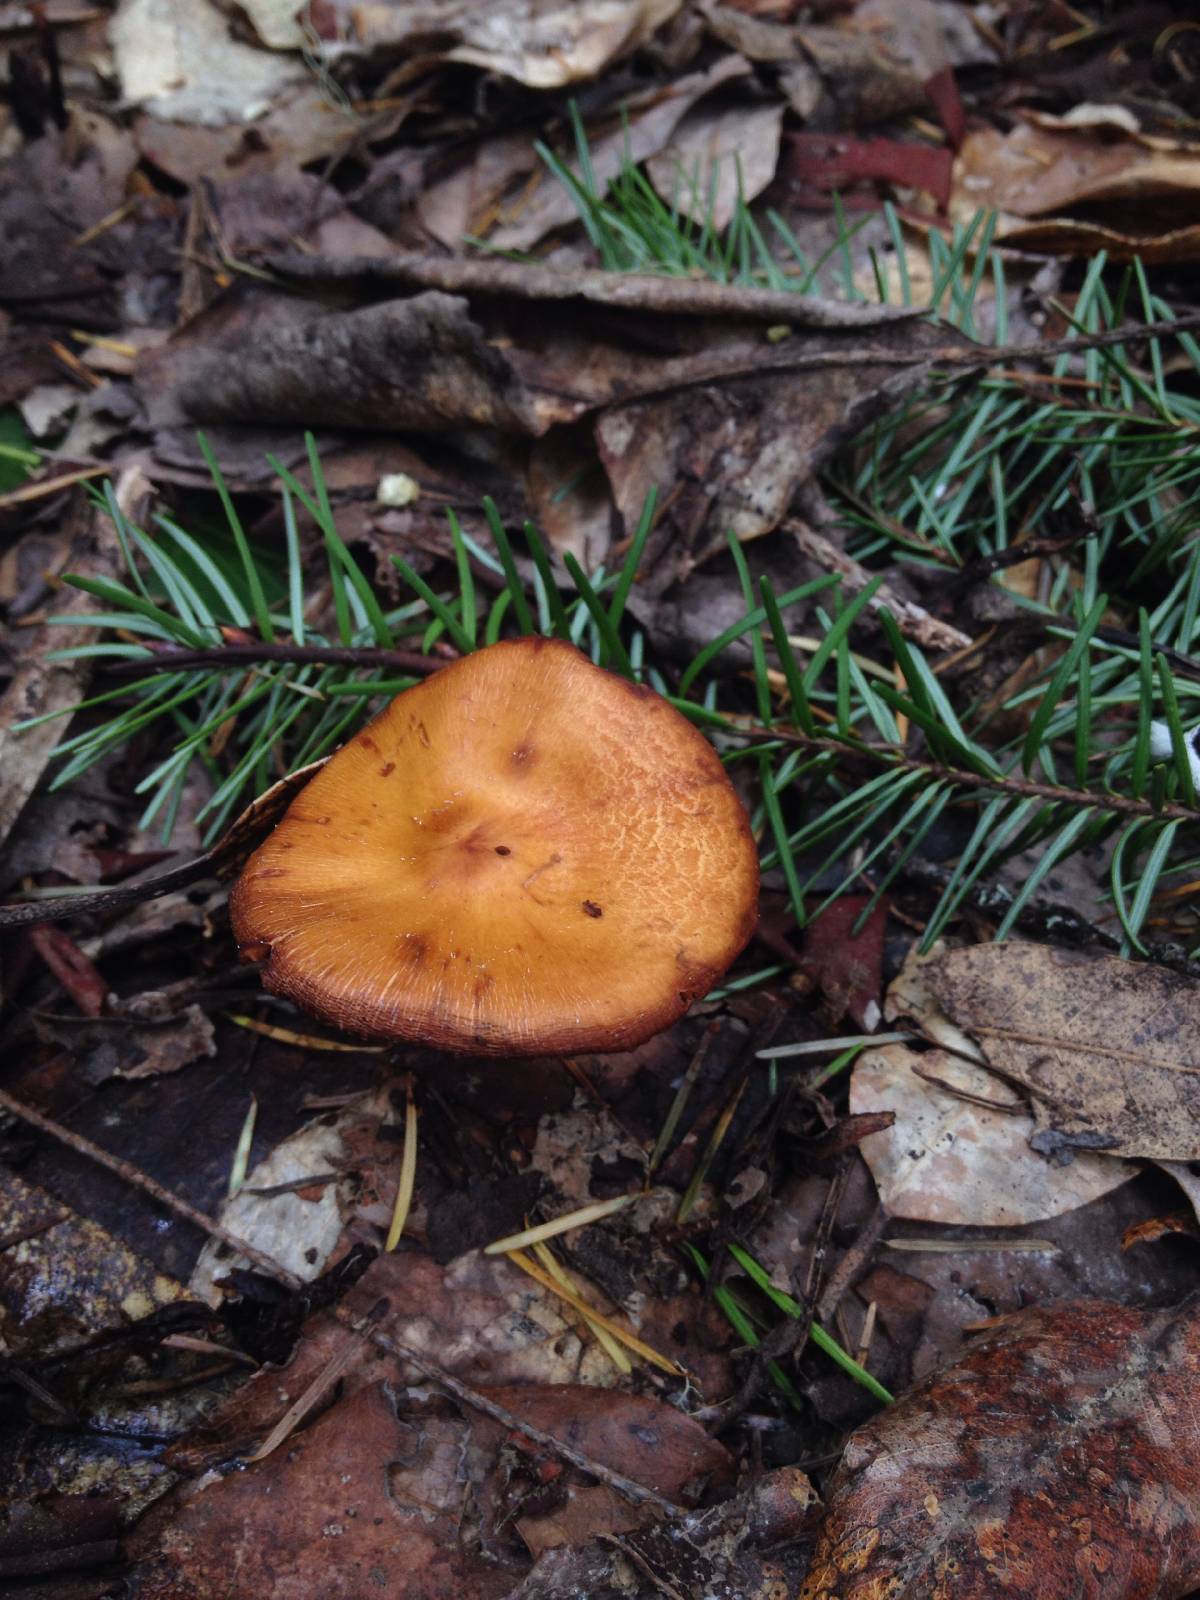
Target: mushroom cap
(523,855)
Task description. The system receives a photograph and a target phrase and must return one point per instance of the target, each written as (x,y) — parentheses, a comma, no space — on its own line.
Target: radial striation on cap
(523,855)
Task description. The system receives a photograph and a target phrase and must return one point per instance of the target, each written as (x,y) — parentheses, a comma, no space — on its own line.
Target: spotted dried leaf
(1057,1458)
(1106,1048)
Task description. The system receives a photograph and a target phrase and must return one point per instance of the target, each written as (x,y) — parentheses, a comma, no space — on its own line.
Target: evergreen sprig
(862,755)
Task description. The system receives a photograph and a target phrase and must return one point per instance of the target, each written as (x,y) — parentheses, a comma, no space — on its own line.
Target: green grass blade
(762,685)
(466,579)
(520,603)
(615,654)
(629,568)
(254,583)
(798,695)
(436,604)
(753,619)
(1063,675)
(1179,748)
(1058,848)
(559,621)
(817,1334)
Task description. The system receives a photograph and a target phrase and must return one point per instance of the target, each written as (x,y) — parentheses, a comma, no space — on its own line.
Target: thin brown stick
(636,1493)
(852,1264)
(820,1250)
(316,1390)
(140,1180)
(963,778)
(235,655)
(167,658)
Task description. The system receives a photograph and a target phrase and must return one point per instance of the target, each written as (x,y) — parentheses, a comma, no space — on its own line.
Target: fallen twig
(169,658)
(636,1493)
(852,1264)
(141,1180)
(912,619)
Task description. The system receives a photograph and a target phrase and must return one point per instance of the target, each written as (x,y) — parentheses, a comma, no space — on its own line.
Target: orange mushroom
(523,855)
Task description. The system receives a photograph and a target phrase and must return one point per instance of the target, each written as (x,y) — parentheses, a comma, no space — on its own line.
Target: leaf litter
(267,234)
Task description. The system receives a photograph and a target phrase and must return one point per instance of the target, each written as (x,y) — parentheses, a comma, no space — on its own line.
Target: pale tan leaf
(952,1160)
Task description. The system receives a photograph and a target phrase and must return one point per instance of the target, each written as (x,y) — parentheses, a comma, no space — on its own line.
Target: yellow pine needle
(408,1173)
(305,1041)
(241,1155)
(557,1225)
(119,347)
(45,486)
(1181,891)
(605,1339)
(810,645)
(622,1335)
(706,1160)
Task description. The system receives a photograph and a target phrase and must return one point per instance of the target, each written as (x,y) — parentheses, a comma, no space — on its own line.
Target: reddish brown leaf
(942,90)
(78,976)
(365,1501)
(1059,1457)
(848,965)
(826,162)
(634,1434)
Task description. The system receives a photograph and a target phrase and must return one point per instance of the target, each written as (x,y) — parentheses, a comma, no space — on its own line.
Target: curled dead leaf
(1046,183)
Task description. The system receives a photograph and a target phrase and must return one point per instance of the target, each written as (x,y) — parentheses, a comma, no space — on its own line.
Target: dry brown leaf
(722,154)
(121,1046)
(686,391)
(52,191)
(179,60)
(301,126)
(388,1491)
(1106,1048)
(648,123)
(40,687)
(1059,190)
(1058,1457)
(644,1438)
(949,1159)
(544,46)
(714,1552)
(872,63)
(415,363)
(364,1501)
